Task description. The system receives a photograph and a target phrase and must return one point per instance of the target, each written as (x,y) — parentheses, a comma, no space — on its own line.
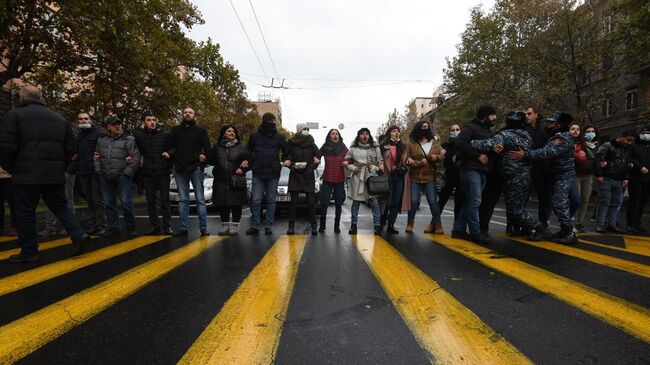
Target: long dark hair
(225,128)
(581,136)
(417,133)
(371,140)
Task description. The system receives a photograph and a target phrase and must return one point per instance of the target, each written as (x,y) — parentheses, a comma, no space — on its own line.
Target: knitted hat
(268,117)
(485,111)
(391,129)
(301,126)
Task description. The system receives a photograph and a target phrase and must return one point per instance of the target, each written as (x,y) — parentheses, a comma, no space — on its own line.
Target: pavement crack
(278,316)
(402,297)
(65,309)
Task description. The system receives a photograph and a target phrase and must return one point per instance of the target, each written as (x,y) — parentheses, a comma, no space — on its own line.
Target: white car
(174,198)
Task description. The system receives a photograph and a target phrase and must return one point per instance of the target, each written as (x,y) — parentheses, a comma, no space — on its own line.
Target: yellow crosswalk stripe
(595,257)
(631,318)
(28,278)
(41,246)
(29,333)
(247,329)
(445,328)
(7,238)
(631,245)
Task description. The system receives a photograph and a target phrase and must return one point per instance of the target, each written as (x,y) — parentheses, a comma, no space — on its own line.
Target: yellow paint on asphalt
(629,317)
(29,333)
(445,328)
(7,238)
(595,257)
(28,278)
(247,329)
(41,246)
(632,245)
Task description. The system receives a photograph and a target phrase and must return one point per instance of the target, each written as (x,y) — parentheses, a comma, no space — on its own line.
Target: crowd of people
(557,157)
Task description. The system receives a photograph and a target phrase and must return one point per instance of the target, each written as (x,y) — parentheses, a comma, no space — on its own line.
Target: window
(607,107)
(631,98)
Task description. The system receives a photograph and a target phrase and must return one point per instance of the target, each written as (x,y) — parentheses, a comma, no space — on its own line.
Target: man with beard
(473,170)
(535,127)
(559,164)
(189,147)
(265,147)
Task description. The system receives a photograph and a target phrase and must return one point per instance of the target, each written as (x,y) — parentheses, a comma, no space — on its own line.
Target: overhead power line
(249,41)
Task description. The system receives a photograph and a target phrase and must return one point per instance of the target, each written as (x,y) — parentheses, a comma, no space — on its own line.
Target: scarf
(591,145)
(332,149)
(268,129)
(229,144)
(363,146)
(302,140)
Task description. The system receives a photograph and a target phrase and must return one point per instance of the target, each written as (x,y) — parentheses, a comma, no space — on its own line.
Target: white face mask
(85,126)
(589,136)
(454,134)
(645,137)
(305,132)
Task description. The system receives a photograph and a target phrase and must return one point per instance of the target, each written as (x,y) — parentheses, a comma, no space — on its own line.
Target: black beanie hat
(561,117)
(485,111)
(268,117)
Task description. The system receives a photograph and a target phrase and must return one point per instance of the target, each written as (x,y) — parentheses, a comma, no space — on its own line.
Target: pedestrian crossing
(426,279)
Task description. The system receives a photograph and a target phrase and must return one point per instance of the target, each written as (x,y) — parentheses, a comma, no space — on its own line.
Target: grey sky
(380,44)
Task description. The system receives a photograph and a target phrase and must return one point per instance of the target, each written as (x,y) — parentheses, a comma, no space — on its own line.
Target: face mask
(645,137)
(489,124)
(454,134)
(589,136)
(305,132)
(85,126)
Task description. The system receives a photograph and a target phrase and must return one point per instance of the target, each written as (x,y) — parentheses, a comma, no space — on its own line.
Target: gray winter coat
(113,152)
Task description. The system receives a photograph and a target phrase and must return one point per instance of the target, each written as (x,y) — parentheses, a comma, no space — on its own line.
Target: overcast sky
(392,50)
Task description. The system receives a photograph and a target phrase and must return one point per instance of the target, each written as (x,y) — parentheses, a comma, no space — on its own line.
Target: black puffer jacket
(475,130)
(451,167)
(266,150)
(226,161)
(639,158)
(617,158)
(152,144)
(86,143)
(36,144)
(302,180)
(188,142)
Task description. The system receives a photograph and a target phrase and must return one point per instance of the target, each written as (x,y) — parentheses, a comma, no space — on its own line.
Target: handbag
(378,185)
(238,181)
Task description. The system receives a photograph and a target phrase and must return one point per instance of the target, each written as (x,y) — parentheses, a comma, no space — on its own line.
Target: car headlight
(282,190)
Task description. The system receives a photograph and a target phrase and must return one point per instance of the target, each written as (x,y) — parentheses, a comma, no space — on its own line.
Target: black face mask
(488,123)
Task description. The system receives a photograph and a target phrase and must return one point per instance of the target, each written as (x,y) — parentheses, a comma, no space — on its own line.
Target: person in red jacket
(333,152)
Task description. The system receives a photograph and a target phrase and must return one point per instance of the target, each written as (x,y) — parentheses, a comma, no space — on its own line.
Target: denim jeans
(429,189)
(122,186)
(183,179)
(374,205)
(54,198)
(50,218)
(472,184)
(339,197)
(574,198)
(610,197)
(266,189)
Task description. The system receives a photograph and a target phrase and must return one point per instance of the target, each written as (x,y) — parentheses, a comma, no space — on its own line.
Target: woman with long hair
(363,160)
(333,152)
(230,160)
(423,151)
(399,197)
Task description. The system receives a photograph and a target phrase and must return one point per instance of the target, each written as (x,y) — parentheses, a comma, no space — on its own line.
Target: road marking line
(28,278)
(631,246)
(247,329)
(597,258)
(629,317)
(638,238)
(41,246)
(7,238)
(444,327)
(27,334)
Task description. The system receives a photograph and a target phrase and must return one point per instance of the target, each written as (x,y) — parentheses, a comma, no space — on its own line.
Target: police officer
(560,166)
(517,172)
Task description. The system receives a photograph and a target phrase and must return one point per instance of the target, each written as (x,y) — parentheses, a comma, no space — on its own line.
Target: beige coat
(369,159)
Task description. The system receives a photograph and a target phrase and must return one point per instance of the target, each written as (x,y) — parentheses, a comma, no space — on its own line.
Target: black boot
(378,230)
(291,230)
(568,236)
(391,229)
(541,233)
(353,228)
(322,224)
(313,229)
(337,225)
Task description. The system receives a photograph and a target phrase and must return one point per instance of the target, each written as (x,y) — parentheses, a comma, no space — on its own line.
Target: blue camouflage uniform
(559,164)
(517,172)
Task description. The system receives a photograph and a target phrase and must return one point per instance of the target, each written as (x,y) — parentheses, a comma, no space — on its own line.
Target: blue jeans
(374,205)
(339,197)
(26,197)
(123,186)
(472,184)
(394,200)
(429,189)
(50,218)
(574,198)
(183,180)
(610,198)
(266,189)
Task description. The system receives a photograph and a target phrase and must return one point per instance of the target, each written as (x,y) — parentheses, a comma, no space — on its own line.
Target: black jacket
(451,167)
(36,144)
(617,158)
(187,143)
(639,158)
(539,138)
(475,130)
(302,180)
(226,161)
(152,144)
(85,145)
(266,150)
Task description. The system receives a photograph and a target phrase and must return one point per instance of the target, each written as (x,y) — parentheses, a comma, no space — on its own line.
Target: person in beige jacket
(6,195)
(423,153)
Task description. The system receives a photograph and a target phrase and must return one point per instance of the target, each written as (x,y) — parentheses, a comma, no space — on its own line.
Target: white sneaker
(225,229)
(234,228)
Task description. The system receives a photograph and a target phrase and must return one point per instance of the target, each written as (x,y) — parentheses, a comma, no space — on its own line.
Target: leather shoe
(268,231)
(168,231)
(204,233)
(80,246)
(152,231)
(21,257)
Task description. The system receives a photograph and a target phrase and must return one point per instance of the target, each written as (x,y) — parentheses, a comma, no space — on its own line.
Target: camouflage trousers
(560,185)
(517,191)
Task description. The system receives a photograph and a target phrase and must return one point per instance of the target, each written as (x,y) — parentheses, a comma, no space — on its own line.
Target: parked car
(283,197)
(174,198)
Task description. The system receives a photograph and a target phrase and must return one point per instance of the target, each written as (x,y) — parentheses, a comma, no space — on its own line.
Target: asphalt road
(329,299)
